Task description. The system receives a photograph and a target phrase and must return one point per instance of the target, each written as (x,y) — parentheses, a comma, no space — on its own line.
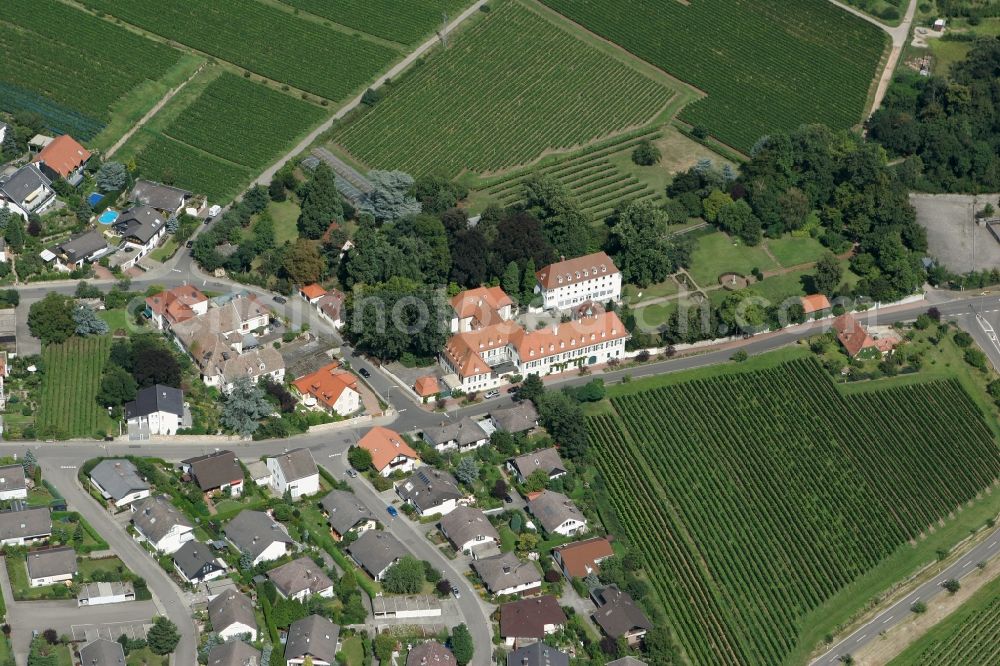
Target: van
(214,210)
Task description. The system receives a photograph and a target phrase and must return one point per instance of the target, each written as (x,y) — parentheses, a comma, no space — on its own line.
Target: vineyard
(970,636)
(767,65)
(167,160)
(243,122)
(68,405)
(401,22)
(66,65)
(263,39)
(756,496)
(511,87)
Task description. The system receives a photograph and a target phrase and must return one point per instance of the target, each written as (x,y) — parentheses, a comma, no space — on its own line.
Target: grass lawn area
(654,315)
(145,657)
(636,295)
(6,654)
(89,567)
(40,496)
(780,287)
(285,214)
(716,255)
(353,651)
(792,251)
(947,54)
(165,251)
(116,319)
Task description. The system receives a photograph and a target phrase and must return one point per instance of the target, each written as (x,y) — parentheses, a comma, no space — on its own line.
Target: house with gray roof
(18,528)
(142,228)
(13,485)
(295,472)
(216,472)
(156,410)
(50,566)
(196,562)
(161,524)
(164,198)
(102,652)
(345,513)
(430,491)
(313,637)
(119,482)
(506,574)
(518,418)
(375,551)
(234,653)
(88,246)
(430,653)
(301,579)
(29,190)
(259,535)
(464,435)
(232,615)
(468,528)
(547,460)
(619,616)
(538,654)
(557,514)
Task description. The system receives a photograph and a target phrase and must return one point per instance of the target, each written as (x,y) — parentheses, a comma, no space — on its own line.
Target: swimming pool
(108,217)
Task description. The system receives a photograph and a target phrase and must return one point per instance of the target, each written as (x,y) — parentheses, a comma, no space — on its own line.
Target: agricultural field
(400,22)
(511,87)
(971,635)
(68,405)
(66,65)
(766,65)
(759,493)
(263,39)
(170,161)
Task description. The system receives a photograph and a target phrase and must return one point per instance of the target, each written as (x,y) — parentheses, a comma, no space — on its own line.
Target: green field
(717,254)
(66,65)
(68,405)
(262,39)
(758,493)
(401,22)
(767,65)
(170,161)
(970,635)
(511,87)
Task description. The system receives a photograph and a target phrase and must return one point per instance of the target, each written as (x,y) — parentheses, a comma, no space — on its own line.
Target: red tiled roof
(582,557)
(426,386)
(483,303)
(327,384)
(63,155)
(851,334)
(571,335)
(463,349)
(579,269)
(384,445)
(815,303)
(312,291)
(175,305)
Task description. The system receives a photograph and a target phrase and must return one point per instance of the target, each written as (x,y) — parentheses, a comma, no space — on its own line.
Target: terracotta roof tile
(63,155)
(580,269)
(384,445)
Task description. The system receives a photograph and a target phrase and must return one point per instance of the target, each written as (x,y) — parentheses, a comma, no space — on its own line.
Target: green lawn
(353,651)
(779,287)
(792,251)
(89,567)
(635,295)
(117,320)
(285,214)
(165,251)
(716,254)
(145,657)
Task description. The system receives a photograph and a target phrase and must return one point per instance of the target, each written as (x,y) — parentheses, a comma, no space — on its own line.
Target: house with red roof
(330,388)
(390,452)
(815,303)
(63,158)
(860,341)
(176,305)
(480,307)
(312,293)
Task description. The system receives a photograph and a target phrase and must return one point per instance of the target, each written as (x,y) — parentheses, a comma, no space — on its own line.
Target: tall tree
(392,197)
(303,263)
(510,281)
(117,386)
(321,204)
(243,407)
(51,319)
(462,645)
(87,321)
(405,576)
(163,637)
(639,245)
(153,362)
(828,274)
(397,316)
(111,176)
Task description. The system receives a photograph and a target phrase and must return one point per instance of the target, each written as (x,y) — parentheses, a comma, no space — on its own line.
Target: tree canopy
(321,204)
(243,407)
(51,319)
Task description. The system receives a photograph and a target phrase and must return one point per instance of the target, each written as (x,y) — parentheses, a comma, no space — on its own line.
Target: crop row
(784,493)
(72,377)
(510,88)
(767,65)
(402,22)
(170,161)
(975,641)
(263,39)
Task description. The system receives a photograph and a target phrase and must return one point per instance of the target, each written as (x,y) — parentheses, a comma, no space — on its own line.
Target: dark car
(189,244)
(512,390)
(280,299)
(392,511)
(364,373)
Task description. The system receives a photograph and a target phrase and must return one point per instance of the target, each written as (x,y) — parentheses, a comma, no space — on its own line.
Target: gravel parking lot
(951,233)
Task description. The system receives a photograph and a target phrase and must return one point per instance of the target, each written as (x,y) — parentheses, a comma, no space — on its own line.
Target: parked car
(392,511)
(351,472)
(364,373)
(512,390)
(214,210)
(454,590)
(280,299)
(189,244)
(492,393)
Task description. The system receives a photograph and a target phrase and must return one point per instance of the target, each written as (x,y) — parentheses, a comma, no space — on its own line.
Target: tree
(536,481)
(461,644)
(437,193)
(738,219)
(243,407)
(639,244)
(153,362)
(14,233)
(399,316)
(563,224)
(29,462)
(405,576)
(163,636)
(391,198)
(467,470)
(510,281)
(111,176)
(918,607)
(952,585)
(303,262)
(383,646)
(499,490)
(646,153)
(87,321)
(51,319)
(117,386)
(828,274)
(321,203)
(78,534)
(563,418)
(528,282)
(360,459)
(531,388)
(713,203)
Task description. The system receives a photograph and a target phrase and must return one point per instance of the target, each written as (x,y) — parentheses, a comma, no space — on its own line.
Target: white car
(493,393)
(214,210)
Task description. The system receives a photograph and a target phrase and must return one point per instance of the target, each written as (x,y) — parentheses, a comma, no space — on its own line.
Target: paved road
(900,611)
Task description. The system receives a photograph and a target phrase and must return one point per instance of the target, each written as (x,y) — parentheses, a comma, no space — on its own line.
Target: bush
(962,339)
(646,154)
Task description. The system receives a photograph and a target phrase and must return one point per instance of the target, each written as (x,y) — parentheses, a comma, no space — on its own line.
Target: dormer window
(604,269)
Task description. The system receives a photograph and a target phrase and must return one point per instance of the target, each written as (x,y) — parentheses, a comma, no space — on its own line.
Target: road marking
(886,620)
(966,564)
(334,455)
(67,466)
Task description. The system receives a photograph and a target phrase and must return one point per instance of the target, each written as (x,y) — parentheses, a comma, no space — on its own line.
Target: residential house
(294,472)
(142,228)
(375,551)
(619,616)
(506,574)
(814,303)
(468,528)
(175,305)
(518,418)
(259,473)
(63,158)
(480,307)
(164,198)
(430,491)
(557,514)
(331,306)
(426,386)
(28,190)
(119,482)
(537,654)
(430,653)
(232,615)
(77,251)
(569,282)
(156,410)
(300,579)
(99,594)
(234,653)
(389,450)
(582,558)
(463,434)
(547,460)
(346,514)
(102,652)
(51,566)
(860,341)
(218,472)
(530,619)
(20,528)
(259,535)
(13,485)
(312,640)
(161,524)
(196,563)
(331,388)
(312,293)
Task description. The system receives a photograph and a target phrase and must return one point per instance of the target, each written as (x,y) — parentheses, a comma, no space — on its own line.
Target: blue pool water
(108,217)
(94,198)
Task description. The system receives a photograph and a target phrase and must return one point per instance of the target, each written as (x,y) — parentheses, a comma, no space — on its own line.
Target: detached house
(164,198)
(860,341)
(521,417)
(13,485)
(430,491)
(313,640)
(430,653)
(142,228)
(258,535)
(234,653)
(530,620)
(480,307)
(160,523)
(568,283)
(619,616)
(102,652)
(346,514)
(20,528)
(119,482)
(389,450)
(176,305)
(294,472)
(582,558)
(538,654)
(232,615)
(300,579)
(464,435)
(77,251)
(156,410)
(217,472)
(557,514)
(330,307)
(48,567)
(28,190)
(63,158)
(468,529)
(506,574)
(547,460)
(312,293)
(332,389)
(196,563)
(375,551)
